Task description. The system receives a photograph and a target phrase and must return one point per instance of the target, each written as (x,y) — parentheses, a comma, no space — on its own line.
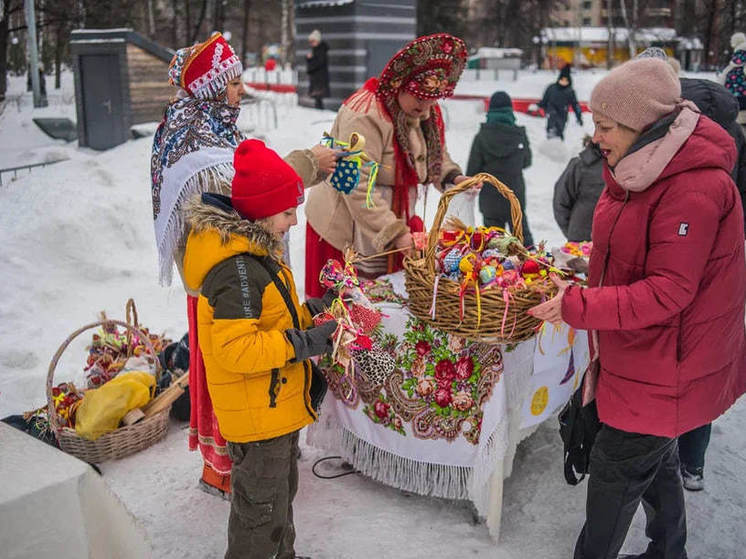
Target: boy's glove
(311,342)
(317,305)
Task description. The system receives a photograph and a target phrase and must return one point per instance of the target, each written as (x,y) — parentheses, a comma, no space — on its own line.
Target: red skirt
(203,425)
(318,251)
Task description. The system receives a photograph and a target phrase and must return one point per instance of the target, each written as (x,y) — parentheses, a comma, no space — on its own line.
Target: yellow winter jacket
(257,391)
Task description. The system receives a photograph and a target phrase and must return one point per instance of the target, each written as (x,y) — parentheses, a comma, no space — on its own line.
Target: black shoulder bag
(578,428)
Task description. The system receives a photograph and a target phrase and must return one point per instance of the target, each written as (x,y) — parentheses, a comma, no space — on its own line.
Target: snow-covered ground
(77,239)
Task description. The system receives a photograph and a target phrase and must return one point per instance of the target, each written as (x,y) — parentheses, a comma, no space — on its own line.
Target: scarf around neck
(192,153)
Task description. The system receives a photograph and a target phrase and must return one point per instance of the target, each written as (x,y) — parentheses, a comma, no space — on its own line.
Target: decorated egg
(451,261)
(467,263)
(490,253)
(530,267)
(487,274)
(508,265)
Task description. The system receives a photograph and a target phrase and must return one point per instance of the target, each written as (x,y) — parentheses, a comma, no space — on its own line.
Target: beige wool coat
(342,219)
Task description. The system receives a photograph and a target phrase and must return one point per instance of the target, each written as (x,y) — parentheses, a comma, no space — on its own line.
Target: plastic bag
(103,408)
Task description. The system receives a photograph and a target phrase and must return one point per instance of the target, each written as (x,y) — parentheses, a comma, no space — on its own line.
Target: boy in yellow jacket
(256,339)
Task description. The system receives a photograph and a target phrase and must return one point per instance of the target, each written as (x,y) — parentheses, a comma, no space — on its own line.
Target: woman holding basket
(399,117)
(665,302)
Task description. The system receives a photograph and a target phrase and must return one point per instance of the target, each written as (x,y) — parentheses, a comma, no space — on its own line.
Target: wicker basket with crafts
(479,282)
(117,414)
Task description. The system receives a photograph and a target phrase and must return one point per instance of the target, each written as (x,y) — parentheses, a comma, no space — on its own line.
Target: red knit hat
(264,185)
(205,68)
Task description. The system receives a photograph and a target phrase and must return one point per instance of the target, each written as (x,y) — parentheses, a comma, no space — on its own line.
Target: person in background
(557,98)
(576,192)
(664,305)
(317,67)
(733,76)
(257,340)
(716,102)
(193,152)
(501,149)
(399,117)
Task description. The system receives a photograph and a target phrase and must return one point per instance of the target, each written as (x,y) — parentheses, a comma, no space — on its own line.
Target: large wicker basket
(485,320)
(124,440)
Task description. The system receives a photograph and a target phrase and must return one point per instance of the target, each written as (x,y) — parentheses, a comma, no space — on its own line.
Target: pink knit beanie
(637,93)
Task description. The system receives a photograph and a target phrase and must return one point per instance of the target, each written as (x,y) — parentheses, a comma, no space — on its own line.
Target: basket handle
(516,214)
(55,359)
(131,318)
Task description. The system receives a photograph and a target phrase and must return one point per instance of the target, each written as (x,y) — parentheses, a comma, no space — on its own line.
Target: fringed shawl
(192,153)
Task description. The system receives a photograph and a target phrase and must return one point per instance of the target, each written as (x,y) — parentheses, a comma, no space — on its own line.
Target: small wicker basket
(499,316)
(122,441)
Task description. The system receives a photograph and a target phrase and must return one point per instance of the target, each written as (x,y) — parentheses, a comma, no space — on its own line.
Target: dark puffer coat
(503,151)
(717,103)
(555,102)
(576,193)
(317,68)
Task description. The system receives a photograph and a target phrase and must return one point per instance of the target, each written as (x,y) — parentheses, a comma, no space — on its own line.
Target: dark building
(362,36)
(121,79)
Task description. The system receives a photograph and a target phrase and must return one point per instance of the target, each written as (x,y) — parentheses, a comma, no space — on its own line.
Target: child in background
(577,191)
(501,148)
(555,102)
(256,339)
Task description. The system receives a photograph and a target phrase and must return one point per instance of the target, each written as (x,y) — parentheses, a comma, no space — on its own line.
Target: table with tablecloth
(446,423)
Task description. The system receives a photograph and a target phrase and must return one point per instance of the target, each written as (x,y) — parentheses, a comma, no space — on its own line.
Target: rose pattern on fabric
(438,387)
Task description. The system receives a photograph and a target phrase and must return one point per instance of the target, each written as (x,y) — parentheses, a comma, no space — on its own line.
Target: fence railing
(28,168)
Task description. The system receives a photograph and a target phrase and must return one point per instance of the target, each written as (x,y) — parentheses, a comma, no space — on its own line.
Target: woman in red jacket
(665,302)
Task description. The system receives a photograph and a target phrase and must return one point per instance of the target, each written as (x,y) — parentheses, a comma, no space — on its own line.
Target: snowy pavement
(77,239)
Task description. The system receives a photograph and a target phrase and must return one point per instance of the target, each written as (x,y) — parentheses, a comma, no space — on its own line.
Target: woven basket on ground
(124,440)
(487,319)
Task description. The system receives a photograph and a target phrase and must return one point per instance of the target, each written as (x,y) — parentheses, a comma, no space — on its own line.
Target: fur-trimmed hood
(218,232)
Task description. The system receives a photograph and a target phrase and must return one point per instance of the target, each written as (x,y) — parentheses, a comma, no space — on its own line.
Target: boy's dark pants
(264,480)
(624,469)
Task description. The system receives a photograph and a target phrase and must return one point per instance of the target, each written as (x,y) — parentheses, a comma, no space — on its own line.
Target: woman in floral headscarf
(193,153)
(401,121)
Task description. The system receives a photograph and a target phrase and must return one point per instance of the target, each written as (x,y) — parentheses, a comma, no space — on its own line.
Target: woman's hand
(551,310)
(474,190)
(327,158)
(404,241)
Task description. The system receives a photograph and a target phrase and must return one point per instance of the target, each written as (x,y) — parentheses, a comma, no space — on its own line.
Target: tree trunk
(200,19)
(710,32)
(284,31)
(188,28)
(630,31)
(151,19)
(610,45)
(58,47)
(175,24)
(4,52)
(245,30)
(219,19)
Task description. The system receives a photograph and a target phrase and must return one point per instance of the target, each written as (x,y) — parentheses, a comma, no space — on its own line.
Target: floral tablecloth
(452,409)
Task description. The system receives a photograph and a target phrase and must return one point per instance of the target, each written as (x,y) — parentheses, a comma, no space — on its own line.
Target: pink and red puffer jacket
(668,250)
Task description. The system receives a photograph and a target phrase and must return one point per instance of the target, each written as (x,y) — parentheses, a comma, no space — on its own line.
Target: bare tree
(9,7)
(245,30)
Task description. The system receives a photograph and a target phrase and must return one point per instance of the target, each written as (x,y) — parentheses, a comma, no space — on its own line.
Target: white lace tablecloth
(535,378)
